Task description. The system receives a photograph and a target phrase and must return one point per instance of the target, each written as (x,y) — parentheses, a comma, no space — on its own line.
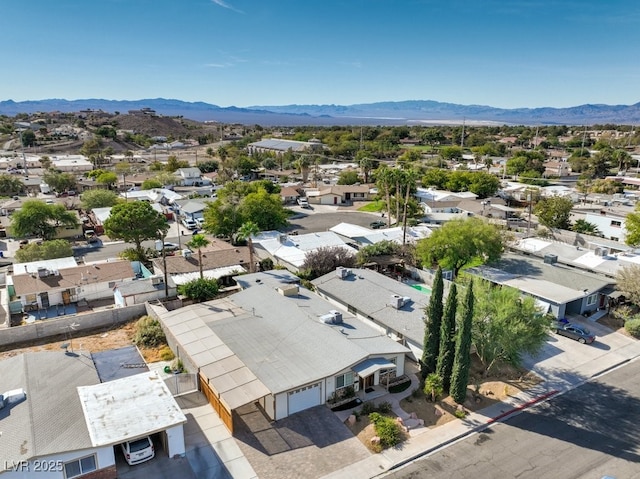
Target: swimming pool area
(422,288)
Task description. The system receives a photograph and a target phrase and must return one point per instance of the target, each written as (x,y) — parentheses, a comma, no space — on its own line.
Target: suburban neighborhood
(227,301)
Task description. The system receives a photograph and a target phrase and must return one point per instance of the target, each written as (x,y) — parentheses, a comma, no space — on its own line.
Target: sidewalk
(423,441)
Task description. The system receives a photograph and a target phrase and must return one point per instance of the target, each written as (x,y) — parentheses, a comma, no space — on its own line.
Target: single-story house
(338,194)
(192,208)
(42,420)
(560,289)
(393,307)
(128,293)
(365,236)
(435,198)
(588,253)
(291,251)
(56,412)
(71,163)
(47,290)
(289,194)
(280,345)
(220,260)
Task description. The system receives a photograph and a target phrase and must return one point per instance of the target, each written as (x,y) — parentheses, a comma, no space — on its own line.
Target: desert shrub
(149,333)
(177,365)
(166,354)
(387,429)
(632,326)
(266,264)
(460,413)
(367,408)
(384,407)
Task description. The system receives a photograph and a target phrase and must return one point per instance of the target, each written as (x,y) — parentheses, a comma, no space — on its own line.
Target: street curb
(522,406)
(503,415)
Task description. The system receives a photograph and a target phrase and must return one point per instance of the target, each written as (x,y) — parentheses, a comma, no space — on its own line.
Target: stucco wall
(62,326)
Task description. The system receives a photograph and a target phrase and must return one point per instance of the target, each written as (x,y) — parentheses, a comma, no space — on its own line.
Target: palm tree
(199,241)
(584,227)
(246,231)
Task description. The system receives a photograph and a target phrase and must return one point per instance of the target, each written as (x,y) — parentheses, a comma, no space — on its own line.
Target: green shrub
(632,326)
(149,333)
(368,408)
(387,429)
(460,413)
(384,407)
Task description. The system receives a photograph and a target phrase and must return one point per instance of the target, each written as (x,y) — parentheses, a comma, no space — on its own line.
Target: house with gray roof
(589,253)
(560,289)
(55,412)
(392,307)
(280,345)
(46,425)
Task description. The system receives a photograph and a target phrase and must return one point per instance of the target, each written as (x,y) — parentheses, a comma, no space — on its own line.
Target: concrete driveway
(564,361)
(309,444)
(160,467)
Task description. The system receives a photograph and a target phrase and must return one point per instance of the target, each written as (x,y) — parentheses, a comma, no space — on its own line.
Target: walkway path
(561,370)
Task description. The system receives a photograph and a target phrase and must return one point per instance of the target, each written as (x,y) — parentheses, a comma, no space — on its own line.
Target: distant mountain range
(413,112)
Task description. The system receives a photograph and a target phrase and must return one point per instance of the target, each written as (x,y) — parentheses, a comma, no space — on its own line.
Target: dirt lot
(504,381)
(95,341)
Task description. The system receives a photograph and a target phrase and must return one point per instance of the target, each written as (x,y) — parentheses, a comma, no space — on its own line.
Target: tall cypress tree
(462,360)
(431,343)
(448,338)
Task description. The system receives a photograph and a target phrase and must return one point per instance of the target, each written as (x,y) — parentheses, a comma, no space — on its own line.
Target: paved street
(589,432)
(320,218)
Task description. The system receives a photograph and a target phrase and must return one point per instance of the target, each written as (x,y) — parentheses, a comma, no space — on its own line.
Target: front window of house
(591,300)
(80,467)
(344,380)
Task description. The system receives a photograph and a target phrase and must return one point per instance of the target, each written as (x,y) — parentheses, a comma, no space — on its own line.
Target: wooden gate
(214,400)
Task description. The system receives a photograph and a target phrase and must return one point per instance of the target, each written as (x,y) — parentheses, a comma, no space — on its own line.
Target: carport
(133,407)
(223,378)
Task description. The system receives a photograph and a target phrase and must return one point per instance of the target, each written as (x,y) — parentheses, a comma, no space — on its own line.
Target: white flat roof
(216,273)
(51,264)
(127,408)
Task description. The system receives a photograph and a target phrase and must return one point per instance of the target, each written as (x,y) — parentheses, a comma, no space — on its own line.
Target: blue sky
(502,53)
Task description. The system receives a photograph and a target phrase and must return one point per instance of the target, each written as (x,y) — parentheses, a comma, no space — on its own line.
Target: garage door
(304,398)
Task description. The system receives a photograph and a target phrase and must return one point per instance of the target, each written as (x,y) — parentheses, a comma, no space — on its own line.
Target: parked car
(376,225)
(574,331)
(189,223)
(168,246)
(139,450)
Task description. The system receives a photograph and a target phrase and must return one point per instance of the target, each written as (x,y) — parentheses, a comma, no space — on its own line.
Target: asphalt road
(319,218)
(590,432)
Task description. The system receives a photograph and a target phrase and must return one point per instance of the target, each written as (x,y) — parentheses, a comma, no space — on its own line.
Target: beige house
(339,194)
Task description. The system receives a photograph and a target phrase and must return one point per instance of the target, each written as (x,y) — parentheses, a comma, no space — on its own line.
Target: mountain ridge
(377,113)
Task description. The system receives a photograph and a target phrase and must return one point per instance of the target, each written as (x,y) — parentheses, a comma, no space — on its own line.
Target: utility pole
(163,235)
(530,197)
(24,158)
